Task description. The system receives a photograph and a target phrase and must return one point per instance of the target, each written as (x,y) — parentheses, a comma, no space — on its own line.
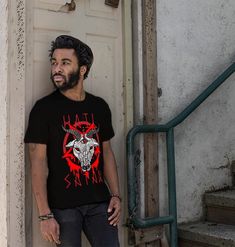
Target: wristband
(116,195)
(46,216)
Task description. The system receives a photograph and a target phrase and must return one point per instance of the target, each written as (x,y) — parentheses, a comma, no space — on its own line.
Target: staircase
(218,229)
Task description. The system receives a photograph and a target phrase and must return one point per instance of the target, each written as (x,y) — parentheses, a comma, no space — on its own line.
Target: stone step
(220,206)
(206,234)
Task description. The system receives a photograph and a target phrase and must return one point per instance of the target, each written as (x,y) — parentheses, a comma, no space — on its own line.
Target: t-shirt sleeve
(37,131)
(106,129)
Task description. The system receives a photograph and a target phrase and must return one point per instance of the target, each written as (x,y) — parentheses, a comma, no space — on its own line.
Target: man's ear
(83,70)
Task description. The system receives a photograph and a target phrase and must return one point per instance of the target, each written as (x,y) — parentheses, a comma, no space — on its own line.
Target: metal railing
(168,128)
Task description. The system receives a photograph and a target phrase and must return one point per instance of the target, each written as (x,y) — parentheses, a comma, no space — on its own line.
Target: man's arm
(39,171)
(111,177)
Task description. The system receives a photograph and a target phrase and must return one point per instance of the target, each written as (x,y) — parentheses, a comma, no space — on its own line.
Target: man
(71,157)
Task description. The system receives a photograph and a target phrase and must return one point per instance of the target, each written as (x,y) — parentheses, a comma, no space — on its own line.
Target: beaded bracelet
(116,195)
(46,216)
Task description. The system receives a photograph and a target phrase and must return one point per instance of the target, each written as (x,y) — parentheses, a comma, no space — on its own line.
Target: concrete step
(220,206)
(206,234)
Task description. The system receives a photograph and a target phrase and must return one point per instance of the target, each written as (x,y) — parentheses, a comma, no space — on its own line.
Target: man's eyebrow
(66,59)
(63,59)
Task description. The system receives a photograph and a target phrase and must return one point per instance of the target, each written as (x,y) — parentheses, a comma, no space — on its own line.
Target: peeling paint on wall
(20,42)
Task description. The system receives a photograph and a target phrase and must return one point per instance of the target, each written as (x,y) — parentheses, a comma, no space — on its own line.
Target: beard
(72,81)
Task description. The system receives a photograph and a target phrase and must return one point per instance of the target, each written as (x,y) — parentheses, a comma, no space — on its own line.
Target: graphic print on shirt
(81,150)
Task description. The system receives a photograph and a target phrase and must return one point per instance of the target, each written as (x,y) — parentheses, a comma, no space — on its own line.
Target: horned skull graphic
(83,146)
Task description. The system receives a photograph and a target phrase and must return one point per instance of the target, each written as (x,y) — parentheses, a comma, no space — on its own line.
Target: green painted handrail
(168,128)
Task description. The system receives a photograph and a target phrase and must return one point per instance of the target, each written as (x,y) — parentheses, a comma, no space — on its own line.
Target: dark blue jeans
(92,219)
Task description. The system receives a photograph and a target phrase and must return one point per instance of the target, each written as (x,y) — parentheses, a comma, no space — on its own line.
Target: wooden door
(98,25)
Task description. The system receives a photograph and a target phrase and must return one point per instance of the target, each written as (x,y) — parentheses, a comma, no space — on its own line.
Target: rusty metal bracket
(112,3)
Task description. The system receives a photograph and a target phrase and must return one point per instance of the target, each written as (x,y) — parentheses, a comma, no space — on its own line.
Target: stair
(218,229)
(206,234)
(220,206)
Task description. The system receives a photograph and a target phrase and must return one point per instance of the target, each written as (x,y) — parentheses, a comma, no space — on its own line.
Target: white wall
(195,44)
(3,122)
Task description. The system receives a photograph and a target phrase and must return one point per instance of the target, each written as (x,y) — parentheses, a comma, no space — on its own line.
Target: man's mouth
(58,78)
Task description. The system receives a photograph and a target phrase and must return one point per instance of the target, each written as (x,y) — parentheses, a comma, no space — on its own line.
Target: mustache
(57,74)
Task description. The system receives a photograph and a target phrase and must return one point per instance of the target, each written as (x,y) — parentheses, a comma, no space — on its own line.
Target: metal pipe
(172,186)
(153,221)
(131,159)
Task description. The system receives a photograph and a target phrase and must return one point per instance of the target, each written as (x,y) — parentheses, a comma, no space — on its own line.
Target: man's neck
(76,93)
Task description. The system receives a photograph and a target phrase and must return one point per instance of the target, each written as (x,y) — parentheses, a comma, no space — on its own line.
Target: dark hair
(83,51)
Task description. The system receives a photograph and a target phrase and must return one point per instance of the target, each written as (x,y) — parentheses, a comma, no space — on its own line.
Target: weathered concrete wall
(3,121)
(16,109)
(195,44)
(12,100)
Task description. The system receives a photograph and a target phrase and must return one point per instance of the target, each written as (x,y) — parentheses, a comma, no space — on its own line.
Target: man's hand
(50,230)
(115,210)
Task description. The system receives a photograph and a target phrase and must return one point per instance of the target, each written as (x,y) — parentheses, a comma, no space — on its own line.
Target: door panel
(99,26)
(96,8)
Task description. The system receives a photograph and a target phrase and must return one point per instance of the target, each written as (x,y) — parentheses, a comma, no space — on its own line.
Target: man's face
(65,71)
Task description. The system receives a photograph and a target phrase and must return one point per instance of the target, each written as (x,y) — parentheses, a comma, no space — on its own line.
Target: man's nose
(57,68)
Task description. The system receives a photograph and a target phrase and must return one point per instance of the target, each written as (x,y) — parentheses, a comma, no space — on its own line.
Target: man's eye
(66,63)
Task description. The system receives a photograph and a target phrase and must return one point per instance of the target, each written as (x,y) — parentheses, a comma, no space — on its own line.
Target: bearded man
(74,174)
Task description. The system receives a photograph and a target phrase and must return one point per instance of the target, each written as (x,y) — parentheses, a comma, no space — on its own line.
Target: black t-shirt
(73,132)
